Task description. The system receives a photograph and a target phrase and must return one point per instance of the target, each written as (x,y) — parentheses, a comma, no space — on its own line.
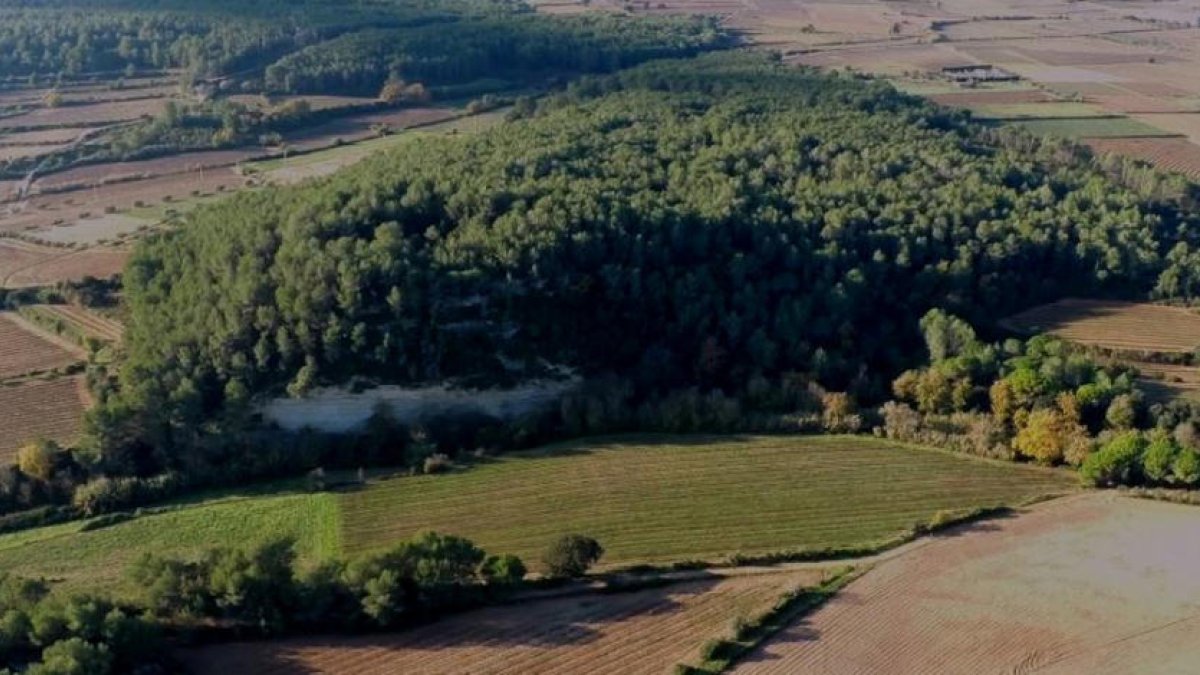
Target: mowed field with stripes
(647,499)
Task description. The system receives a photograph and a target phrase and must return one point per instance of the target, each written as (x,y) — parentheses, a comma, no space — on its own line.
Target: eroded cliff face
(339,410)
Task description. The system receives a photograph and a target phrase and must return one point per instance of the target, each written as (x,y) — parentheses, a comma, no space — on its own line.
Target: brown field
(161,166)
(625,633)
(18,255)
(25,349)
(1165,153)
(85,321)
(50,409)
(316,102)
(1187,124)
(1163,382)
(1114,325)
(358,127)
(11,152)
(48,210)
(1096,584)
(44,137)
(98,262)
(85,115)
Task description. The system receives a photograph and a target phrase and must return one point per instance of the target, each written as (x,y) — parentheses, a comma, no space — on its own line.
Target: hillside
(696,223)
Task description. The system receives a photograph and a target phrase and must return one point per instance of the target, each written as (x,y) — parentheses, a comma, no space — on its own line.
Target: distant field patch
(91,230)
(1018,111)
(25,349)
(49,409)
(645,631)
(77,321)
(657,499)
(1114,325)
(98,559)
(969,99)
(99,263)
(1097,127)
(1168,154)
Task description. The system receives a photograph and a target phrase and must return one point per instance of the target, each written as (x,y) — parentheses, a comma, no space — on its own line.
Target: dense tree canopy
(685,223)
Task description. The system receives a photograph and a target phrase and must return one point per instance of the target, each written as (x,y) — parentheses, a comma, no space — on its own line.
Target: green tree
(571,555)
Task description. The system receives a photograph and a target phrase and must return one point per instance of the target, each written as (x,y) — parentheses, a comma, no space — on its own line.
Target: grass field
(1099,127)
(97,559)
(649,499)
(1030,111)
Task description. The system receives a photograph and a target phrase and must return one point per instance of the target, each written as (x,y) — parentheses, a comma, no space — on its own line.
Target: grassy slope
(651,499)
(647,498)
(97,559)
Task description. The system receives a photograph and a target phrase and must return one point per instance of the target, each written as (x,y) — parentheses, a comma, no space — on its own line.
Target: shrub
(503,570)
(1159,459)
(571,555)
(1186,468)
(37,459)
(74,657)
(1115,463)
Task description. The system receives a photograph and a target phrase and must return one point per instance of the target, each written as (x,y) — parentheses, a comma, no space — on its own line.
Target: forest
(708,225)
(324,47)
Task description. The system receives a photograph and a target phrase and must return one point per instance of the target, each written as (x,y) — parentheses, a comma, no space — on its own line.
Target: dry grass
(1036,593)
(26,349)
(1121,326)
(50,409)
(644,632)
(100,263)
(80,321)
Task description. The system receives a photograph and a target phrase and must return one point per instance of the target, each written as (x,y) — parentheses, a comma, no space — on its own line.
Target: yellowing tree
(1043,436)
(36,459)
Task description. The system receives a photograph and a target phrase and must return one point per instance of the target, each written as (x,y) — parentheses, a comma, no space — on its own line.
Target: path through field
(1096,583)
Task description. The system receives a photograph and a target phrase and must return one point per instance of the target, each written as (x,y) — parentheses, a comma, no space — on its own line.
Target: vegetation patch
(654,499)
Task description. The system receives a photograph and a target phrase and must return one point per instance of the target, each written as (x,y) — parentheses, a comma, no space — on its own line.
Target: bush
(1186,469)
(503,570)
(1159,459)
(74,657)
(571,556)
(1115,463)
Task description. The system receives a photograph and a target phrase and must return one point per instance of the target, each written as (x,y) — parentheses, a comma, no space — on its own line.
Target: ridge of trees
(698,223)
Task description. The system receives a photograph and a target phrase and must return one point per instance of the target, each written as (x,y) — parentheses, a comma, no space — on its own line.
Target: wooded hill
(708,222)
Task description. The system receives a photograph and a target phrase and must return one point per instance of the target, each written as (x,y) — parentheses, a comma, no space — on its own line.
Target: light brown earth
(1095,584)
(85,321)
(1107,324)
(1168,154)
(26,349)
(644,632)
(67,265)
(37,409)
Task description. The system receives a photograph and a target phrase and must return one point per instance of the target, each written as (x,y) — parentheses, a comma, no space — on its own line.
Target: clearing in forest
(654,499)
(1093,584)
(1124,326)
(644,632)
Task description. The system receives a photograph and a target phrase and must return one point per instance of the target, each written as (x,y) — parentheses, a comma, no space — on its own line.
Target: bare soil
(1094,584)
(1114,325)
(644,632)
(37,409)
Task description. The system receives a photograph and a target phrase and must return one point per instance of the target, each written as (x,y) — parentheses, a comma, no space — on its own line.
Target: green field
(97,559)
(662,499)
(1099,127)
(1021,111)
(646,498)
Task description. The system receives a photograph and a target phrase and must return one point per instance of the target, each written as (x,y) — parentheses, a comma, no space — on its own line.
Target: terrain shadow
(549,624)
